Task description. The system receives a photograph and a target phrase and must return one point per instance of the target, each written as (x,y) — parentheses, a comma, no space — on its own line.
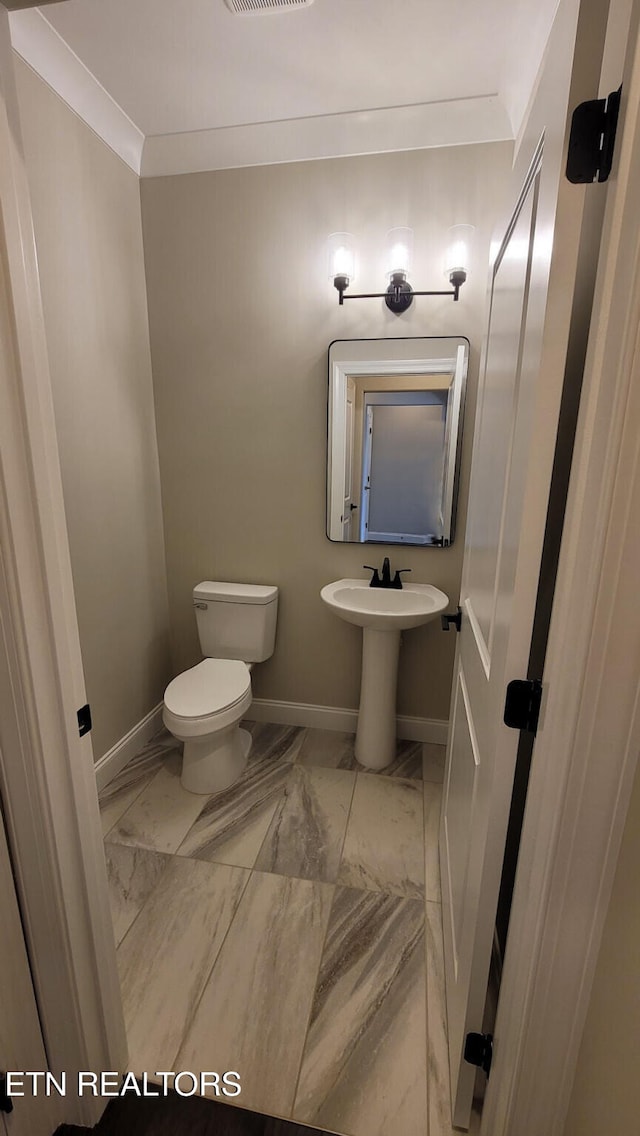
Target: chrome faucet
(381,578)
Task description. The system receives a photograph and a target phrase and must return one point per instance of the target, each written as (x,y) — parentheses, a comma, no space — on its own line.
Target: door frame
(365,476)
(577,803)
(47,779)
(21,1042)
(567,848)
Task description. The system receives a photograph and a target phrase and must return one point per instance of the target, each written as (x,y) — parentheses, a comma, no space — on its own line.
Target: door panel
(471,762)
(460,795)
(535,306)
(497,408)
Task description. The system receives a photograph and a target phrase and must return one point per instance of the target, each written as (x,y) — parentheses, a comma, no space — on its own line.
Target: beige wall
(241,315)
(86,207)
(605,1091)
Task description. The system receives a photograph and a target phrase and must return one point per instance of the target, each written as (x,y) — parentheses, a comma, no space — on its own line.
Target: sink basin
(382,613)
(385,609)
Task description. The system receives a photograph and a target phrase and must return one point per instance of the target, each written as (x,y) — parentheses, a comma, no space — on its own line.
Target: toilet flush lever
(202,606)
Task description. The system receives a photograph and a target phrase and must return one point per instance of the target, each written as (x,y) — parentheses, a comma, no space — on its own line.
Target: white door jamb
(47,778)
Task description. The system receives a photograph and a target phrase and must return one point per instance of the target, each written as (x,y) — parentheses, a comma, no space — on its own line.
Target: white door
(531,307)
(21,1045)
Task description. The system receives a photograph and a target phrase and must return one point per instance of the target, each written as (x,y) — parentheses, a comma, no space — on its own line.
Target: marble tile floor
(280,929)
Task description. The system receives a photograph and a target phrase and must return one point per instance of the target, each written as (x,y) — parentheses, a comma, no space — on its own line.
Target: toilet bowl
(202,708)
(204,705)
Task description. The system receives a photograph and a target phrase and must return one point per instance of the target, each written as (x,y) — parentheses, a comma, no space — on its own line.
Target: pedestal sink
(382,613)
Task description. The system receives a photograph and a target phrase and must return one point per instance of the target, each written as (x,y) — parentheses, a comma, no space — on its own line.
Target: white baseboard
(267,710)
(117,757)
(337,718)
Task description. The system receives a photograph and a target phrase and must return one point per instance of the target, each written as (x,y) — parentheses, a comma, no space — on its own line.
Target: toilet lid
(211,686)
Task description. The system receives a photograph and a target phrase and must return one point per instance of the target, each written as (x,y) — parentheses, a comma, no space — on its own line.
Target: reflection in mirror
(395,429)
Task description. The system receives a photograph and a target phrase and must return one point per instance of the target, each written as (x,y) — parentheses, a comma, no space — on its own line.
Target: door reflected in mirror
(394,434)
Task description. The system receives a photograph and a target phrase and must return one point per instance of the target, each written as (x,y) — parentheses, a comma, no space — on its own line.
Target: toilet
(203,706)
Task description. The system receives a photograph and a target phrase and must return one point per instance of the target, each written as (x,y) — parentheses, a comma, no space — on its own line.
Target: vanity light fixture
(399,294)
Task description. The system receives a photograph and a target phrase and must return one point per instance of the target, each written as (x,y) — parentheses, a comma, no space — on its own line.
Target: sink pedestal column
(376,735)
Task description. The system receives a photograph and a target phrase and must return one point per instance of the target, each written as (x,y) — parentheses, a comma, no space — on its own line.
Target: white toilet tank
(236,621)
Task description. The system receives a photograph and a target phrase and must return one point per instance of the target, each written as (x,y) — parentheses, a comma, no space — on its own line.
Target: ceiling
(179,67)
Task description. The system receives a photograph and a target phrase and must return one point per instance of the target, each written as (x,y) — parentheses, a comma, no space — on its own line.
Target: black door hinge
(478,1050)
(6,1104)
(592,139)
(522,704)
(84,720)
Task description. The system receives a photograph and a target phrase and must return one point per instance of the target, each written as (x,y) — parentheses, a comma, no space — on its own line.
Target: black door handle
(352,507)
(447,619)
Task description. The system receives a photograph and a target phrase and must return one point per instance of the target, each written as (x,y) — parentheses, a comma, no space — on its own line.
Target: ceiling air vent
(247,7)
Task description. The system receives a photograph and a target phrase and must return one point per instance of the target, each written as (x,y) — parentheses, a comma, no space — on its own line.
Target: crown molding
(456,122)
(38,43)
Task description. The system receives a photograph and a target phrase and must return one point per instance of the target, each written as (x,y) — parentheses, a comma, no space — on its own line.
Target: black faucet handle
(374,582)
(397,582)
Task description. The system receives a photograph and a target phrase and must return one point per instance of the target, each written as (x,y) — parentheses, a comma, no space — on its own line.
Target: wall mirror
(394,433)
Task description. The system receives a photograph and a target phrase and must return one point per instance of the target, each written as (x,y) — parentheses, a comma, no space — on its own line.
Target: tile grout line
(144,785)
(293,875)
(279,805)
(324,943)
(387,890)
(151,893)
(206,798)
(250,867)
(170,856)
(301,740)
(250,872)
(424,961)
(197,1002)
(205,984)
(333,887)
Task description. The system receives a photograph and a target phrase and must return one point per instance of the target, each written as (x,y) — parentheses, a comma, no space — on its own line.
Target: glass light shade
(342,259)
(457,256)
(399,251)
